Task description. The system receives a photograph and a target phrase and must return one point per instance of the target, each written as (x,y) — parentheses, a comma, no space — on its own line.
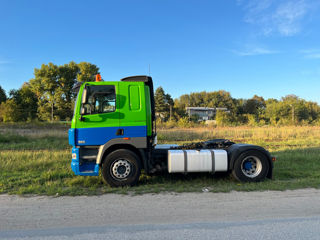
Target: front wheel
(251,166)
(121,168)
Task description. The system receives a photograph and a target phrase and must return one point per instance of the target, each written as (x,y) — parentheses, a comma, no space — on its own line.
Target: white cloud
(311,53)
(253,51)
(4,61)
(314,56)
(284,17)
(288,16)
(254,9)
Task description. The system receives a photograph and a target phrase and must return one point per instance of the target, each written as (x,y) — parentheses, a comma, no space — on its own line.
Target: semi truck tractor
(113,129)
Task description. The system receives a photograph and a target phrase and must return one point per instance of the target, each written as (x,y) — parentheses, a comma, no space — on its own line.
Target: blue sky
(265,47)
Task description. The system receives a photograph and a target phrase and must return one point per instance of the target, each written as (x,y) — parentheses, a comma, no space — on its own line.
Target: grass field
(36,160)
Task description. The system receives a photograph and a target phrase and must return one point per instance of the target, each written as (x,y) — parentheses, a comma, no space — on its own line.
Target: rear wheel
(251,166)
(121,168)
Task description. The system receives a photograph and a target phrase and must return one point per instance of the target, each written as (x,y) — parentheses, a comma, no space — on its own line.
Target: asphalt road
(235,215)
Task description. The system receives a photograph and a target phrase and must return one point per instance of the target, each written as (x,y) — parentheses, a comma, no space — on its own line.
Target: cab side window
(101,99)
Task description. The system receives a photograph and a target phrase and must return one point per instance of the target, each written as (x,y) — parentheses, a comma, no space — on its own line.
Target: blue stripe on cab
(101,135)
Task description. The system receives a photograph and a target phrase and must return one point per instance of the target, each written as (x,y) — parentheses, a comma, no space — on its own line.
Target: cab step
(89,157)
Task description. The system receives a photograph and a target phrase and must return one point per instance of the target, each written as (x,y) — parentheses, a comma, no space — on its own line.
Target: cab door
(99,121)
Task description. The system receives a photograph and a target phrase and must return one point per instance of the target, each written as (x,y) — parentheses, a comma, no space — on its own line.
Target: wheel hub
(121,169)
(247,165)
(251,166)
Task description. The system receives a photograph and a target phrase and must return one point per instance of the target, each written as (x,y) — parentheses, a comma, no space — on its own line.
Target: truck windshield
(101,99)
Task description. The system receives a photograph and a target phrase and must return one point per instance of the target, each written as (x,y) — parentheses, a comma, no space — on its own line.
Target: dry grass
(273,138)
(35,130)
(36,160)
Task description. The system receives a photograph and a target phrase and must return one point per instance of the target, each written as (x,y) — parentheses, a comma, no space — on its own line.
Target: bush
(224,118)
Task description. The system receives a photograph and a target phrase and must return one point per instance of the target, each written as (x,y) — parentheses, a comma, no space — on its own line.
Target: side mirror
(83,111)
(84,96)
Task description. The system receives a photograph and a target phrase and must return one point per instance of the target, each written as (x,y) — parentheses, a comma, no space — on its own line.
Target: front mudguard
(235,150)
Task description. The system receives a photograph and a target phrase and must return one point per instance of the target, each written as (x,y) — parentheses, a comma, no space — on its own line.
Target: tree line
(49,97)
(289,110)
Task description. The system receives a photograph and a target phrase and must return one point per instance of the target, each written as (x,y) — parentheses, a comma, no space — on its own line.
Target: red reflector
(274,159)
(126,138)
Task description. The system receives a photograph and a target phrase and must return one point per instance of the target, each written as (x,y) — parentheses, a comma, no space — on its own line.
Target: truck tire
(251,166)
(121,168)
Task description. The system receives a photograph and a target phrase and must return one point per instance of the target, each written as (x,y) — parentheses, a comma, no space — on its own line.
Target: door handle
(120,132)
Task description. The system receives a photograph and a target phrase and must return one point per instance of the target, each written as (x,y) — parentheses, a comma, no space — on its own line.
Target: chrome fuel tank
(206,160)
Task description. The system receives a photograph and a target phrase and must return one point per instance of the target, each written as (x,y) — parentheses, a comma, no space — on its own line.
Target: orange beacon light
(98,78)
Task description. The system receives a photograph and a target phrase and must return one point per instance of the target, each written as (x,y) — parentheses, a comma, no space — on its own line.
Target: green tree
(25,101)
(224,118)
(3,96)
(21,105)
(291,110)
(163,104)
(160,100)
(222,99)
(44,85)
(87,72)
(10,111)
(53,84)
(181,103)
(313,110)
(64,97)
(255,105)
(207,99)
(294,108)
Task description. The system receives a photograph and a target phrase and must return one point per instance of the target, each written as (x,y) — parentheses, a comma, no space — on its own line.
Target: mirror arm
(81,118)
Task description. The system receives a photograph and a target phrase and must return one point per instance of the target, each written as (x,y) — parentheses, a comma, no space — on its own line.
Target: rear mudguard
(235,150)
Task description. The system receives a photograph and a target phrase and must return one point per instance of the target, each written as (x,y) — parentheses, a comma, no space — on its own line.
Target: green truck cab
(113,129)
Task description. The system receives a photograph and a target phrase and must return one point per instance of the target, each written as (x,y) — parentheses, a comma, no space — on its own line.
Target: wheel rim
(121,169)
(251,166)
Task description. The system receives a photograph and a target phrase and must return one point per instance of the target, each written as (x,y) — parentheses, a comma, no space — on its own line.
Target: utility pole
(52,112)
(292,113)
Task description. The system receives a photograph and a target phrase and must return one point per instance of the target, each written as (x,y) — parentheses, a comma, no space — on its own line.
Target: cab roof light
(98,78)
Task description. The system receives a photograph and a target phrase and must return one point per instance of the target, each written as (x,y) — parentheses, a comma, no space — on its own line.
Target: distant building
(204,113)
